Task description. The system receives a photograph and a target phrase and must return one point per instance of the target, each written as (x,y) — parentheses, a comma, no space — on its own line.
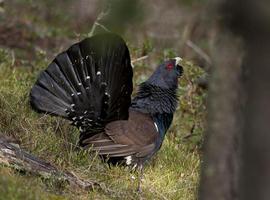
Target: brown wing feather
(135,136)
(139,130)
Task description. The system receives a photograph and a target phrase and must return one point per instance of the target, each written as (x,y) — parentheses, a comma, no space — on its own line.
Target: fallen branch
(14,157)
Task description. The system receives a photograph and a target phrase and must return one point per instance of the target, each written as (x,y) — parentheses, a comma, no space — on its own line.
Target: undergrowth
(172,174)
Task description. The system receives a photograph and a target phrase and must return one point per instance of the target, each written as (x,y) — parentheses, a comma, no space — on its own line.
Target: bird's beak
(179,70)
(179,67)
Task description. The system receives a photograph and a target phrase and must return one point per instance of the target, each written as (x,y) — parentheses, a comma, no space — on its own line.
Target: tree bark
(219,173)
(252,23)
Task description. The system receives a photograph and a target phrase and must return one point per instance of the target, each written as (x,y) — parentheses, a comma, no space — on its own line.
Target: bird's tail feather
(89,84)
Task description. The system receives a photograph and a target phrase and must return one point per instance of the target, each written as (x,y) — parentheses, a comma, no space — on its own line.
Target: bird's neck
(163,122)
(159,102)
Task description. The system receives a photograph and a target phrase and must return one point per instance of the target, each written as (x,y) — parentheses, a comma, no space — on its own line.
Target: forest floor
(27,45)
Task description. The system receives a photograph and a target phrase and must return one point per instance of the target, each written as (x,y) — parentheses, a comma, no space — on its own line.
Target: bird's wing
(135,137)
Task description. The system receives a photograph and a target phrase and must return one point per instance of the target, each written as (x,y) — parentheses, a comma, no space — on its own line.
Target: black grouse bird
(90,84)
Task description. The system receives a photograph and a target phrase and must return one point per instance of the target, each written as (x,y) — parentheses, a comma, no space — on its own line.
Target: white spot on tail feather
(107,94)
(128,160)
(98,73)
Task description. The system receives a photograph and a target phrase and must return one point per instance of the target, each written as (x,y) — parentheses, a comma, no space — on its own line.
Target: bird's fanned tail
(89,84)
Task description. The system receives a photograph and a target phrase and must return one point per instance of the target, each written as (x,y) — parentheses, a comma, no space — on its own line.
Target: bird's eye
(169,66)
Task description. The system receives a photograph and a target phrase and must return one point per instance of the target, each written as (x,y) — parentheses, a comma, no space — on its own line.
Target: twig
(139,59)
(102,26)
(13,59)
(97,22)
(191,132)
(199,51)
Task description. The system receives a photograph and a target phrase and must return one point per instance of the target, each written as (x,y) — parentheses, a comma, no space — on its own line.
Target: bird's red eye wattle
(169,66)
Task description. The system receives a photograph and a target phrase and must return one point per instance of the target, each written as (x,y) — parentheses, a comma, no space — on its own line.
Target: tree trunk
(236,162)
(220,165)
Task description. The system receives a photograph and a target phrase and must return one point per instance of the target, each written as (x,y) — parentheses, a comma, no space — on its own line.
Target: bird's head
(167,74)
